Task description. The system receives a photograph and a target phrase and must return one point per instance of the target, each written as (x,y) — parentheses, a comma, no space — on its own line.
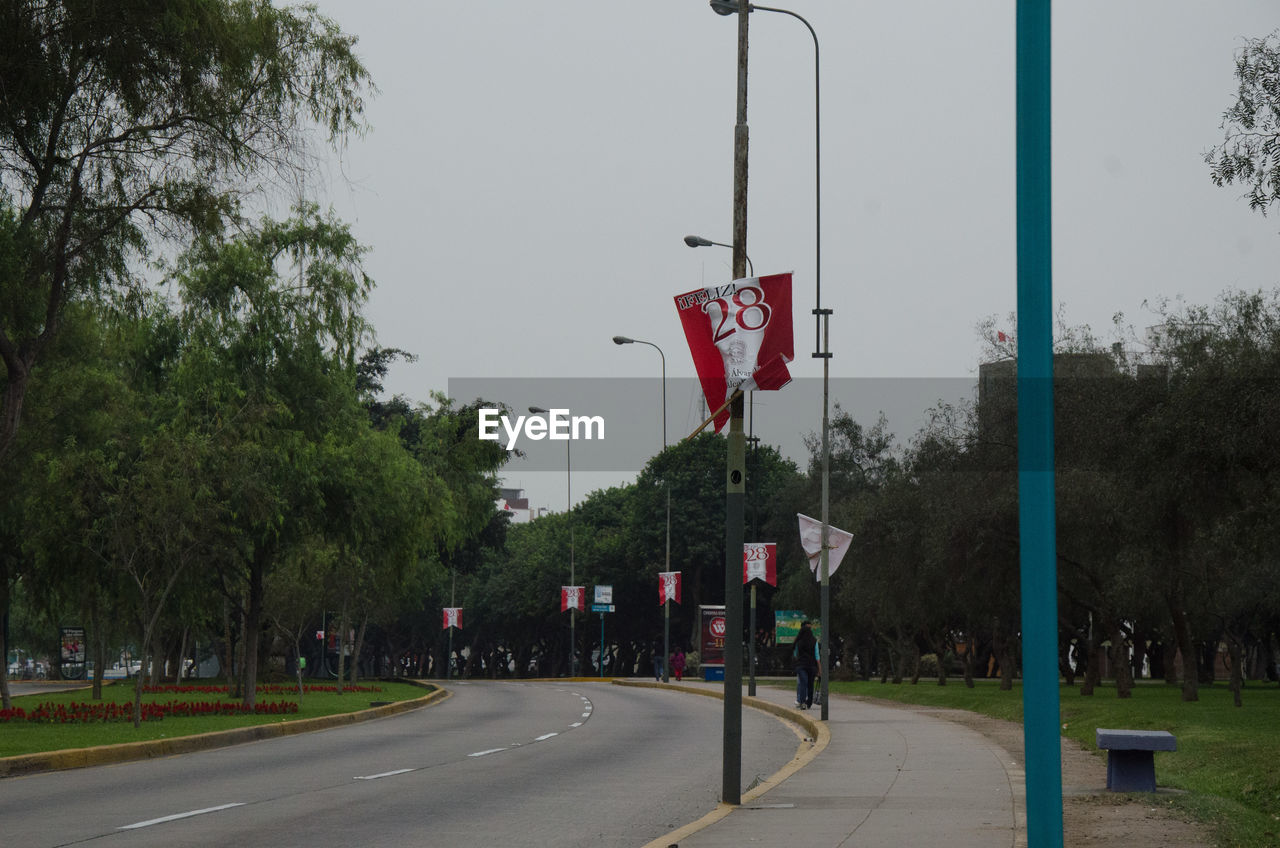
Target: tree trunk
(355,651)
(253,632)
(228,655)
(5,698)
(1170,662)
(342,647)
(182,655)
(1002,648)
(968,664)
(10,414)
(99,643)
(1182,637)
(1235,650)
(1120,662)
(1089,654)
(940,650)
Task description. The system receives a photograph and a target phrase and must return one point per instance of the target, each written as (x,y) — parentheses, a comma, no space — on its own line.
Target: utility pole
(736,465)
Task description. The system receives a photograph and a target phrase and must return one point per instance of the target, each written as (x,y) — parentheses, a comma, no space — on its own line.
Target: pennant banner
(760,562)
(740,336)
(668,587)
(573,597)
(838,542)
(452,618)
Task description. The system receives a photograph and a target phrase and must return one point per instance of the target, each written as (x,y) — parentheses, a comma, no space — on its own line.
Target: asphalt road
(510,764)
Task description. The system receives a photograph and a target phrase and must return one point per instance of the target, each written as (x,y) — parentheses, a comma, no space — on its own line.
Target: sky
(532,168)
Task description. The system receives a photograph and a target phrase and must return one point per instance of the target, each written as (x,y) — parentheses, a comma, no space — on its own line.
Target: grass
(21,737)
(1228,758)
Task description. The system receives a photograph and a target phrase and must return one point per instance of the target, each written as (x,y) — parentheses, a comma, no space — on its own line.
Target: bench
(1131,765)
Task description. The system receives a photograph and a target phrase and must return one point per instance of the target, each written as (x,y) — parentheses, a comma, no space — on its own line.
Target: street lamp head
(537,410)
(621,340)
(697,241)
(728,7)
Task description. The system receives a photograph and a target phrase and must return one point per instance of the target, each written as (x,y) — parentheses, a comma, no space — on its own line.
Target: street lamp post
(735,463)
(666,602)
(822,327)
(573,611)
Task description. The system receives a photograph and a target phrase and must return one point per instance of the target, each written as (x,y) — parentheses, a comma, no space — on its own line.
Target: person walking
(677,663)
(655,649)
(805,657)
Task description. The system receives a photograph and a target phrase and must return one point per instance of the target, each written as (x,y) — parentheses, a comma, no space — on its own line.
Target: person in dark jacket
(805,657)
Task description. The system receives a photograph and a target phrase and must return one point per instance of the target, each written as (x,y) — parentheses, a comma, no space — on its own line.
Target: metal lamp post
(822,319)
(666,602)
(573,613)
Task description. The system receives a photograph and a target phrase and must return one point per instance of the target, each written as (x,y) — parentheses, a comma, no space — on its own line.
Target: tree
(126,122)
(267,372)
(1250,153)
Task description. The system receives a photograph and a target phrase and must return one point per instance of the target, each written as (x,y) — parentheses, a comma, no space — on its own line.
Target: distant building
(515,505)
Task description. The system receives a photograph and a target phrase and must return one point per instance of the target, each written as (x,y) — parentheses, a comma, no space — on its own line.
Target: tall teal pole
(1036,522)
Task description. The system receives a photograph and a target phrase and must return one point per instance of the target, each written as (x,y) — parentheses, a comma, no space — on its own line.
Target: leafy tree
(122,123)
(1250,152)
(267,372)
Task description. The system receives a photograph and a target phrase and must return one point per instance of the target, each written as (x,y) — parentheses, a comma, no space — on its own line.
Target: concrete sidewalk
(887,777)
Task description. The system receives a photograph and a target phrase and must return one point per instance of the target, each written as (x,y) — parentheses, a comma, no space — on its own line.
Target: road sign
(604,594)
(603,608)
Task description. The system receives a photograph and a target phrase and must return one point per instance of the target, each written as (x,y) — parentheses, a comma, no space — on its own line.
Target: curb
(811,746)
(71,758)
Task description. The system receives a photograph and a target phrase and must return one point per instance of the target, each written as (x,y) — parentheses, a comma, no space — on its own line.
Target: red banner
(740,336)
(452,618)
(760,562)
(668,587)
(573,597)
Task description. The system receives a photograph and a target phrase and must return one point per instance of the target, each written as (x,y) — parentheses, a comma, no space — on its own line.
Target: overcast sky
(532,169)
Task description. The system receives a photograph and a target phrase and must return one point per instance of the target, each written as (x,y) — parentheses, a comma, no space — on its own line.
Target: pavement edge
(71,758)
(810,746)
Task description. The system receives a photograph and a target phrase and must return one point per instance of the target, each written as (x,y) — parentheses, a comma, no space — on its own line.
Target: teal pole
(1036,521)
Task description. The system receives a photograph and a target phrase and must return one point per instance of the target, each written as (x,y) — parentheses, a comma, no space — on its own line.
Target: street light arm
(621,340)
(699,241)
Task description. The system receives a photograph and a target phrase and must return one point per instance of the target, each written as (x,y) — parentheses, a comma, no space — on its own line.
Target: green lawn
(22,737)
(1228,758)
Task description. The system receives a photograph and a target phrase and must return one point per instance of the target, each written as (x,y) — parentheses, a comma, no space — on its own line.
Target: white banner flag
(838,542)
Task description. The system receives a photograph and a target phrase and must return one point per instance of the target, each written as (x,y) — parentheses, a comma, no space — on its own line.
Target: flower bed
(263,689)
(88,713)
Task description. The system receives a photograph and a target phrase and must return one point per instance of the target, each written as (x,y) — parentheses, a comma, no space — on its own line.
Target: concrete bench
(1131,765)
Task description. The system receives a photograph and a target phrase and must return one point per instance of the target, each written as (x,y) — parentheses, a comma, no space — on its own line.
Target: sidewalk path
(888,777)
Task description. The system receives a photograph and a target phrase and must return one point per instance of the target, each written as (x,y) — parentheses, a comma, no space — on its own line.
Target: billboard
(786,626)
(713,630)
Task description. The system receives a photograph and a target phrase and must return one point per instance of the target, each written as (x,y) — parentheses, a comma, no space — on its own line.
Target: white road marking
(586,715)
(545,736)
(383,774)
(177,816)
(576,724)
(483,753)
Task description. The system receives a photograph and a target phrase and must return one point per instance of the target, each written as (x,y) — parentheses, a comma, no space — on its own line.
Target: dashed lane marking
(384,774)
(177,816)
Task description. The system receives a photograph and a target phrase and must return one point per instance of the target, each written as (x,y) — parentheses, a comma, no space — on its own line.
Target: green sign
(786,626)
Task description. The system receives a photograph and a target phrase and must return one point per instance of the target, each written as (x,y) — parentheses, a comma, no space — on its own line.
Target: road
(511,764)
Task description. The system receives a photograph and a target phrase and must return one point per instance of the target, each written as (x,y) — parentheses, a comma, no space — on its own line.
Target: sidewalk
(888,777)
